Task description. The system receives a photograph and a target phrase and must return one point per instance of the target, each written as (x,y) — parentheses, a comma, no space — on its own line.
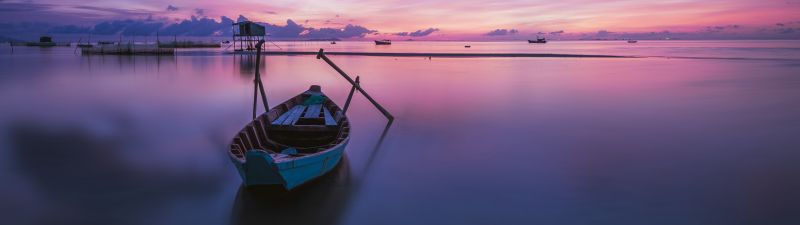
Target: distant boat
(226,42)
(333,42)
(295,142)
(45,41)
(467,46)
(632,41)
(383,42)
(106,42)
(538,41)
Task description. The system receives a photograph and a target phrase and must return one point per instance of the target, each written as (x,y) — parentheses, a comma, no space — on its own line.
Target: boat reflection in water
(321,201)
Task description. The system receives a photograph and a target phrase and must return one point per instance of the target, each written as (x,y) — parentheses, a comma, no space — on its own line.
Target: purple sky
(417,19)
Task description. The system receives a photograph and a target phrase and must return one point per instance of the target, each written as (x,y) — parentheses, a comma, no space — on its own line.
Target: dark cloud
(199,27)
(23,7)
(199,11)
(348,31)
(501,32)
(780,24)
(715,29)
(124,12)
(787,30)
(418,33)
(557,32)
(604,33)
(70,29)
(195,26)
(127,27)
(292,30)
(172,8)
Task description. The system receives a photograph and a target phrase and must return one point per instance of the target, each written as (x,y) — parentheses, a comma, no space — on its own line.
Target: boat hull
(262,168)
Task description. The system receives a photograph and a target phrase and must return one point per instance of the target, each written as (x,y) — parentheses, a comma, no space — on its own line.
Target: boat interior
(303,125)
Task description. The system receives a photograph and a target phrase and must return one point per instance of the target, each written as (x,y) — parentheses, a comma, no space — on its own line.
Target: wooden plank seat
(306,116)
(290,116)
(313,111)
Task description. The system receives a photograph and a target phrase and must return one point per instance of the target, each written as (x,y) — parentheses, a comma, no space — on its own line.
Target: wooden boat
(383,42)
(538,41)
(293,143)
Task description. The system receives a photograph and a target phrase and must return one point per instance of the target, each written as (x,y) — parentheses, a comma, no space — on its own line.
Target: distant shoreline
(443,55)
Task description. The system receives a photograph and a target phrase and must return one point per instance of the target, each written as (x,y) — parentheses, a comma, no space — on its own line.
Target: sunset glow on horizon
(442,19)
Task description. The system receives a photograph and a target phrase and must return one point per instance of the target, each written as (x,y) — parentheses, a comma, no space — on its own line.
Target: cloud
(23,7)
(348,31)
(418,33)
(715,29)
(199,11)
(172,8)
(125,27)
(292,30)
(501,32)
(199,27)
(70,29)
(557,32)
(604,33)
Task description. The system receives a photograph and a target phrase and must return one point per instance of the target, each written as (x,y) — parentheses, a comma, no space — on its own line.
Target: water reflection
(321,201)
(126,63)
(119,140)
(246,64)
(76,174)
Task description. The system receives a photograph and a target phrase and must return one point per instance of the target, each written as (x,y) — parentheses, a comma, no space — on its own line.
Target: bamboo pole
(321,55)
(258,85)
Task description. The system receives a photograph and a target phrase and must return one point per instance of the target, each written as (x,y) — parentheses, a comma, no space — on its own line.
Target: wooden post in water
(321,55)
(258,85)
(350,96)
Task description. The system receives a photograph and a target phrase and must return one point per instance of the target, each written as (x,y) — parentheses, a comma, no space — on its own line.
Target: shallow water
(660,140)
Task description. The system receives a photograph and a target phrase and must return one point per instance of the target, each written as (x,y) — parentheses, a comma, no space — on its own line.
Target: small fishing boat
(632,41)
(295,142)
(538,41)
(467,46)
(383,42)
(333,42)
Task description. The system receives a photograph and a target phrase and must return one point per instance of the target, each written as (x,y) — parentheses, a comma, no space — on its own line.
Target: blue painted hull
(262,168)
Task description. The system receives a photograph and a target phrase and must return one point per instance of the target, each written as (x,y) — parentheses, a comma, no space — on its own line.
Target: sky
(417,19)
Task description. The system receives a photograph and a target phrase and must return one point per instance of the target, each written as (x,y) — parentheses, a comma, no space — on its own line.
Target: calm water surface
(702,133)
